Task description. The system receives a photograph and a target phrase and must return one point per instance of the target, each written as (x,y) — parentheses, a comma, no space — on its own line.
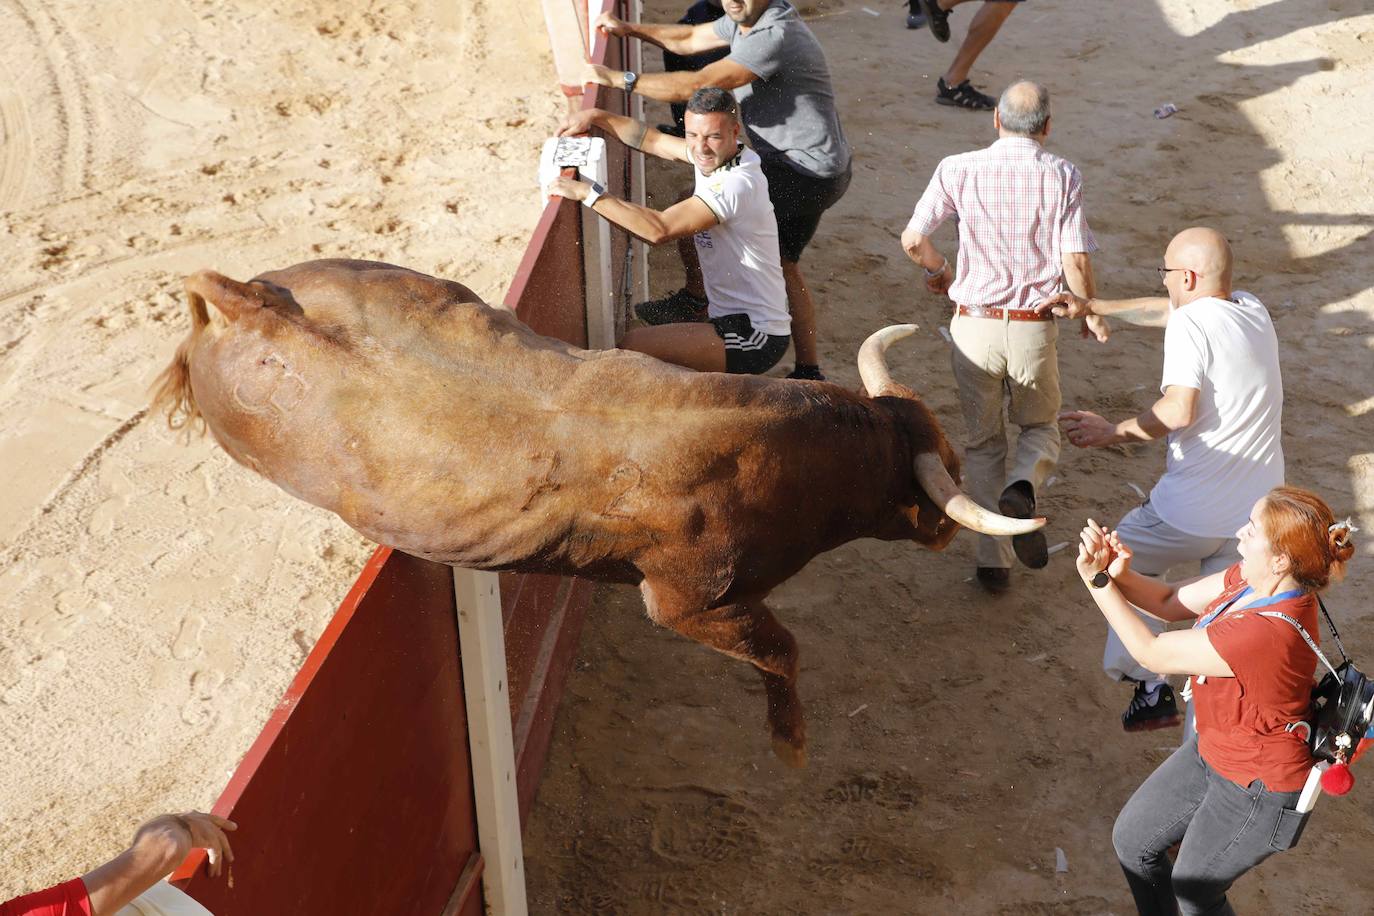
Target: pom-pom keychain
(1337,780)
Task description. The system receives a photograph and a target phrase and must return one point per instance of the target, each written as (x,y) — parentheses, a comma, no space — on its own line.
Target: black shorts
(747,351)
(798,202)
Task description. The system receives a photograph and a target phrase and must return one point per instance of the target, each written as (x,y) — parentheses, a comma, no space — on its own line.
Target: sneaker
(915,19)
(807,373)
(936,18)
(1018,501)
(963,96)
(1150,709)
(672,130)
(674,308)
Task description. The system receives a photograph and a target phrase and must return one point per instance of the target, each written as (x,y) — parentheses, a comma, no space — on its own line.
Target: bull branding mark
(545,482)
(624,480)
(281,393)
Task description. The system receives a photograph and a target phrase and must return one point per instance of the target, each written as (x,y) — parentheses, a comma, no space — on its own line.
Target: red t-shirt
(66,899)
(1241,720)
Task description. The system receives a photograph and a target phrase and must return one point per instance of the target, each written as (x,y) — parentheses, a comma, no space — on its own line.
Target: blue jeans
(1225,830)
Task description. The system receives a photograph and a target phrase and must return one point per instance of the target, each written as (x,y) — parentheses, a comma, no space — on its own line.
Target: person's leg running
(1235,829)
(1033,377)
(693,346)
(1158,815)
(803,310)
(980,367)
(984,27)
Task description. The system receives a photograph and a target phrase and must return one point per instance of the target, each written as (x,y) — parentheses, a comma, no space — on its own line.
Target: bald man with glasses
(1220,409)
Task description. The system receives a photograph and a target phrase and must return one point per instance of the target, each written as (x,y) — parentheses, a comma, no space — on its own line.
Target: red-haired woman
(1228,795)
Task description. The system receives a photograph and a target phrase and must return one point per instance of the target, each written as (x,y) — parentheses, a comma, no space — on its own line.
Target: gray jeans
(1225,830)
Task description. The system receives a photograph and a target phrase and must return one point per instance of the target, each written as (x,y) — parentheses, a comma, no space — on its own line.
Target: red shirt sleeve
(66,899)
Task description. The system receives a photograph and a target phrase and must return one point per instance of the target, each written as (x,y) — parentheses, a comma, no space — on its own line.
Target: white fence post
(481,638)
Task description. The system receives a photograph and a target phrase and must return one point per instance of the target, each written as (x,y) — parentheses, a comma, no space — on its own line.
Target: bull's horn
(872,365)
(945,493)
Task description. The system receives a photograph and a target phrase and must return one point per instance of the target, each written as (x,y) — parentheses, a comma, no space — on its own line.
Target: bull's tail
(171,391)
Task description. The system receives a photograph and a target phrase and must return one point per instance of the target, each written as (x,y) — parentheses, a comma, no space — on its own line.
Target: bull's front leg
(745,630)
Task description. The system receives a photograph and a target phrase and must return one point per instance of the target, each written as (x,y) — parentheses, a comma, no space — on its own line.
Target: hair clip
(1348,526)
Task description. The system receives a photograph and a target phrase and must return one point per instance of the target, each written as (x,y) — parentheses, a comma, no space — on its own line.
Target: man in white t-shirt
(731,220)
(1221,410)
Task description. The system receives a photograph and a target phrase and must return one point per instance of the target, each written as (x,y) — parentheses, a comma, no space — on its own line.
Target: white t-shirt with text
(1231,454)
(739,255)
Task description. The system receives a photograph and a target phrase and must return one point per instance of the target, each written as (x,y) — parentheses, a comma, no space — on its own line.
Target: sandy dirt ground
(157,599)
(956,739)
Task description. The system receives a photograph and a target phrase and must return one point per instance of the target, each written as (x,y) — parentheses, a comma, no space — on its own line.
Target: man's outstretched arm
(1147,311)
(682,219)
(1175,410)
(677,86)
(632,133)
(677,38)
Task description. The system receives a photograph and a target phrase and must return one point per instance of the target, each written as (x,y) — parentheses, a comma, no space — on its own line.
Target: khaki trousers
(1000,362)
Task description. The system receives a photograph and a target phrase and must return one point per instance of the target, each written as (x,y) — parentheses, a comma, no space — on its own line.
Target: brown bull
(443,427)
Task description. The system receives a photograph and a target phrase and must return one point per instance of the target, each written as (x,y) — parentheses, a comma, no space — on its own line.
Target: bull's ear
(235,299)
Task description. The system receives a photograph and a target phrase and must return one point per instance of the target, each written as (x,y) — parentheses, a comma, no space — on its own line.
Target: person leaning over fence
(159,845)
(787,104)
(731,220)
(1229,794)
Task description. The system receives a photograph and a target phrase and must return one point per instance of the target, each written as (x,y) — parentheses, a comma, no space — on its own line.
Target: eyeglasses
(1165,271)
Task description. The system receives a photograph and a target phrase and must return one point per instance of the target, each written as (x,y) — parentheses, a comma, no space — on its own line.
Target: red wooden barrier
(357,796)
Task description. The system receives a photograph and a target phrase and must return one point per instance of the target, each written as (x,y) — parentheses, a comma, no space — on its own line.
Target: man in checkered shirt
(1022,235)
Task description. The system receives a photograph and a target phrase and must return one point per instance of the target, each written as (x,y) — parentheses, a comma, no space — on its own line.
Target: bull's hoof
(789,753)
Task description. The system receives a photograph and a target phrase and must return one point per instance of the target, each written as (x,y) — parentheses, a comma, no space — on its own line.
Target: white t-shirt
(739,255)
(1230,455)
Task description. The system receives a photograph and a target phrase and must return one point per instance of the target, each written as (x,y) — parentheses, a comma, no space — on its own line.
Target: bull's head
(931,470)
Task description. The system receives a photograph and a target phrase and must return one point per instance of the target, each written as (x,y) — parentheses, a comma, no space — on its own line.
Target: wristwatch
(1100,580)
(593,195)
(630,79)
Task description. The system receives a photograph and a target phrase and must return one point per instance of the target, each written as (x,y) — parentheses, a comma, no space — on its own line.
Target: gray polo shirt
(789,111)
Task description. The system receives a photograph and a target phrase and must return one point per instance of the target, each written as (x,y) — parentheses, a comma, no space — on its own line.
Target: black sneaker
(807,373)
(1018,501)
(1150,709)
(674,308)
(963,96)
(672,130)
(936,18)
(915,19)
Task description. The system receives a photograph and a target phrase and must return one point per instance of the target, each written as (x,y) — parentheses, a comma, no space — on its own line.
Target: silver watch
(630,79)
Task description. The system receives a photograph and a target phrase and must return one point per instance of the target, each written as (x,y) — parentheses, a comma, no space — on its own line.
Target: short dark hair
(713,100)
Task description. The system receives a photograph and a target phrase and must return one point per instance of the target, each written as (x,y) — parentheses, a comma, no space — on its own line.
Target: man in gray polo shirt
(780,76)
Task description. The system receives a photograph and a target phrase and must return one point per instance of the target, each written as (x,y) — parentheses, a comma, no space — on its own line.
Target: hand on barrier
(601,76)
(191,830)
(612,26)
(570,188)
(578,123)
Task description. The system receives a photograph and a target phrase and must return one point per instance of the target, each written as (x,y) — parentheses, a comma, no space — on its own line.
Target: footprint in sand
(200,708)
(187,643)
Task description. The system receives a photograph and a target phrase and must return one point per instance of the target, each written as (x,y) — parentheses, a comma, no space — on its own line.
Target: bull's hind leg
(745,630)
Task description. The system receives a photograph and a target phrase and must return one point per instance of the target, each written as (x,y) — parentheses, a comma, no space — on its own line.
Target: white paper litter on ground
(871,12)
(1057,547)
(1136,490)
(1061,861)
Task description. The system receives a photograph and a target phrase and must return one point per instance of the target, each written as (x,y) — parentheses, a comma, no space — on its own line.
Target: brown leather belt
(974,311)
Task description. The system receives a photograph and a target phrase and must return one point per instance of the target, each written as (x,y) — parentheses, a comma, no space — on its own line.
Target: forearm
(919,248)
(627,130)
(1078,275)
(642,222)
(114,884)
(1151,596)
(676,37)
(1133,632)
(676,86)
(1146,312)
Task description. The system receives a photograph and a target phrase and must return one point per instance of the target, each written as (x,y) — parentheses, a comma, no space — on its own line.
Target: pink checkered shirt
(1020,208)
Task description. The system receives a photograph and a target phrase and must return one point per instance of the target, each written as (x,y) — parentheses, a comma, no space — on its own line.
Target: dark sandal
(963,96)
(936,19)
